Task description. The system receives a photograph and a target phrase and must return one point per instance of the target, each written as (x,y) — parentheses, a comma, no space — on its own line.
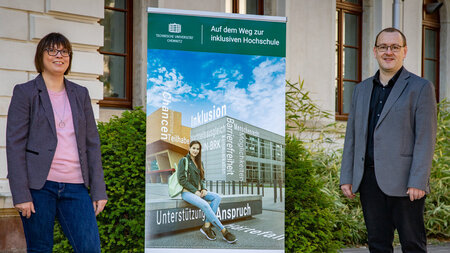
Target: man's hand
(25,209)
(415,193)
(203,193)
(198,193)
(99,205)
(347,190)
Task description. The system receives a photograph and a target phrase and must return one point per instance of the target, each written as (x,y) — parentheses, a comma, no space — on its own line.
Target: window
(278,172)
(348,53)
(255,7)
(265,173)
(252,171)
(264,148)
(251,145)
(117,53)
(430,46)
(277,152)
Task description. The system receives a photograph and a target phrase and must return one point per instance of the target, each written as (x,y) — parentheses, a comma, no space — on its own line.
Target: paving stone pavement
(436,248)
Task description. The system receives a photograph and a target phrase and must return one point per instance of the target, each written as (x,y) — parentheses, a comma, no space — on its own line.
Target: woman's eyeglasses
(54,52)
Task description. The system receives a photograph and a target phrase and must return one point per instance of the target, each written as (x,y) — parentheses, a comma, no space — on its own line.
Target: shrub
(123,156)
(121,224)
(437,203)
(303,116)
(349,226)
(309,221)
(305,119)
(309,217)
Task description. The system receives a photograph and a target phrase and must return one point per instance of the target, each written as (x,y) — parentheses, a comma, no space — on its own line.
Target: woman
(195,193)
(53,153)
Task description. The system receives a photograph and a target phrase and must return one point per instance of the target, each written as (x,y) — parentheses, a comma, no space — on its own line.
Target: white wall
(444,66)
(199,5)
(310,53)
(411,26)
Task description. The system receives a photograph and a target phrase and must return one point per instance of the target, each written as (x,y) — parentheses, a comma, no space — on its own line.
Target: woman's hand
(198,194)
(25,209)
(203,193)
(99,205)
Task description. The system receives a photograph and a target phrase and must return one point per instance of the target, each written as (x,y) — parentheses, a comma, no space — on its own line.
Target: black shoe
(229,237)
(208,232)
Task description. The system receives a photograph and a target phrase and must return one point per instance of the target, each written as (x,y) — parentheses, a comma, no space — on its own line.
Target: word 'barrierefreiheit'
(266,234)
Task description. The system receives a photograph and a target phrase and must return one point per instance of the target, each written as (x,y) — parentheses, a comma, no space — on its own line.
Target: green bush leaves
(437,204)
(121,225)
(309,221)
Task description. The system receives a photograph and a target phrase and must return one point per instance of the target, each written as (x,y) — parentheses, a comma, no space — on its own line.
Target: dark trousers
(383,214)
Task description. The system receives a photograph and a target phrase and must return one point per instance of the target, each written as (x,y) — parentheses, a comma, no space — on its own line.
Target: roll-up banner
(215,111)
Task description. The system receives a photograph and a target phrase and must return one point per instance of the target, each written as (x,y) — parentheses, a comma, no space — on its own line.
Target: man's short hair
(49,41)
(391,30)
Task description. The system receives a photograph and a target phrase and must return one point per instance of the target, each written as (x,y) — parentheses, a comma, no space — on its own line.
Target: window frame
(127,101)
(251,142)
(259,8)
(251,170)
(431,22)
(343,7)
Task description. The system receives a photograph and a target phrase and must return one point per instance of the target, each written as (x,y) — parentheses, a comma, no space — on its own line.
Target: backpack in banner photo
(175,188)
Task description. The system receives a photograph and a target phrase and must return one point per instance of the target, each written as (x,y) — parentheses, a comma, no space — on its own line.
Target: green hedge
(121,224)
(309,220)
(349,225)
(437,204)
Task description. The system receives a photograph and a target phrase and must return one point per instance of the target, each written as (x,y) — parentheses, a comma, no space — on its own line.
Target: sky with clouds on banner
(251,87)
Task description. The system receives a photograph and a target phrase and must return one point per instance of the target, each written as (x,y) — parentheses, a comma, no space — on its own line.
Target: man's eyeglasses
(394,48)
(54,52)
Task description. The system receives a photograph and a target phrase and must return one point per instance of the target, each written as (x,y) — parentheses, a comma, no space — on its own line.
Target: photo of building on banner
(216,120)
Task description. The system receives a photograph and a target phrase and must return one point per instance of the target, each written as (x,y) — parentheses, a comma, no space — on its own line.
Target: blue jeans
(72,205)
(209,209)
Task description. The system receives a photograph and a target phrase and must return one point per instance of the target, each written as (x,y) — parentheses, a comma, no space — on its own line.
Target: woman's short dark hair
(49,41)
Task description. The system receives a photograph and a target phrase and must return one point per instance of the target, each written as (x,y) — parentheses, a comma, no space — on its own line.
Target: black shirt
(379,96)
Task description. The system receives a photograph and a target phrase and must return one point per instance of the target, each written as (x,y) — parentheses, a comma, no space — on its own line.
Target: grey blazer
(404,137)
(31,139)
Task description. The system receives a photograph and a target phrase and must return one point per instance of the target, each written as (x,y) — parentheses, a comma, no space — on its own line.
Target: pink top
(65,167)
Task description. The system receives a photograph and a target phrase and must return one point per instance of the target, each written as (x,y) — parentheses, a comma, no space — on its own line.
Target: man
(389,145)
